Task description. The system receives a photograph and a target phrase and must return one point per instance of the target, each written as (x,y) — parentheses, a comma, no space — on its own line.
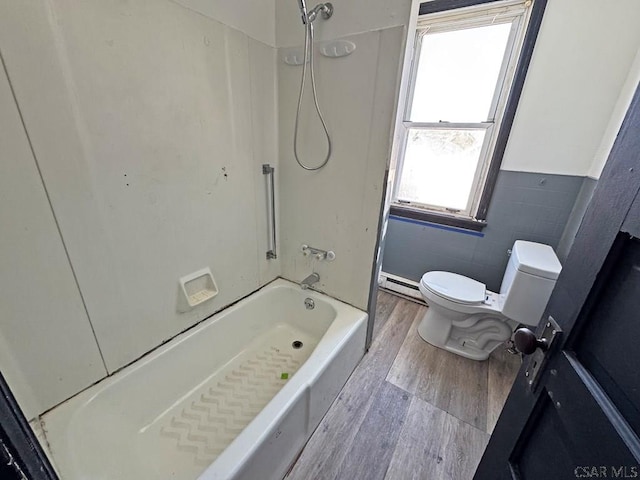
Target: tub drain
(297,344)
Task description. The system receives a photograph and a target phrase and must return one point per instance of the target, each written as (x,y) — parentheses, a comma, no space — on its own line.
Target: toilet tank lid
(457,288)
(536,259)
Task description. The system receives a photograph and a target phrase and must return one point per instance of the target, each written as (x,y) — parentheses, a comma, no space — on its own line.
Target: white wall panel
(141,117)
(256,18)
(337,208)
(47,349)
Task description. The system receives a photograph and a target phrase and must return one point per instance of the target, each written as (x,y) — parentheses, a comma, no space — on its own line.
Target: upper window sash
(433,26)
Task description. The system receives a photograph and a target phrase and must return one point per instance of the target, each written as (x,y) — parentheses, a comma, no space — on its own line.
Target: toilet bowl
(465,318)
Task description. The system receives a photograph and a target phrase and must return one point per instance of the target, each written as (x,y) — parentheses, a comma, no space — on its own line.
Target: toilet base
(471,336)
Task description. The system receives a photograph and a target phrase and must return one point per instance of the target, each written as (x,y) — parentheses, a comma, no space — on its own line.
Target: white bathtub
(213,403)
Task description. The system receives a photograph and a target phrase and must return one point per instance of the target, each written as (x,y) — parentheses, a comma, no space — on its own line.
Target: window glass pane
(439,166)
(457,74)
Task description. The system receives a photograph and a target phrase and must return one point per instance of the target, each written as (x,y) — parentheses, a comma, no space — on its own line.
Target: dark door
(574,410)
(21,456)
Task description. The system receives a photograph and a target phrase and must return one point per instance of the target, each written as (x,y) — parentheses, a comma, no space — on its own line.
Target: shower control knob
(527,342)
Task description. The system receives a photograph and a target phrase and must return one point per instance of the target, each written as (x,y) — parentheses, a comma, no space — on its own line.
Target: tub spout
(309,281)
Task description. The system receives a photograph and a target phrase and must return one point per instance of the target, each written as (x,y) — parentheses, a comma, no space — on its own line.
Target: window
(463,65)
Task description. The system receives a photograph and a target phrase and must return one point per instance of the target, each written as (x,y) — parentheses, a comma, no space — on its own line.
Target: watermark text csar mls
(604,471)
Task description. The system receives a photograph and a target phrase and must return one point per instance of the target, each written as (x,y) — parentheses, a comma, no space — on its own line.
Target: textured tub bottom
(187,437)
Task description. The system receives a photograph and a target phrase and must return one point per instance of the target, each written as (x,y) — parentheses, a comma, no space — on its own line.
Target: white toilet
(464,318)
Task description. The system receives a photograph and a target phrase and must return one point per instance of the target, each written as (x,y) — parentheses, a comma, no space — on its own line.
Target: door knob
(527,342)
(538,347)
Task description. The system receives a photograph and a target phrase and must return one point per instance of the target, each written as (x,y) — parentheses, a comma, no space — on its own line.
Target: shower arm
(326,9)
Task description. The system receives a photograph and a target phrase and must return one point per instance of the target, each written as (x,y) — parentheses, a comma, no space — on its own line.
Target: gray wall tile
(525,206)
(575,218)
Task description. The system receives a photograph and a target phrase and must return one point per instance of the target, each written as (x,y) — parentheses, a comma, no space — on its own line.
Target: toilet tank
(528,281)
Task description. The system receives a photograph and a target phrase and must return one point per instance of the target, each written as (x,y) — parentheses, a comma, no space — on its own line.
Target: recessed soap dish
(197,288)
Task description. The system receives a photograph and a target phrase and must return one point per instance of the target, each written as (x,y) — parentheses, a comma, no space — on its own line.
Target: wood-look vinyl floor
(409,410)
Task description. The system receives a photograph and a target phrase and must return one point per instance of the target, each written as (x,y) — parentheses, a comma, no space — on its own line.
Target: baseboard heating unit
(400,286)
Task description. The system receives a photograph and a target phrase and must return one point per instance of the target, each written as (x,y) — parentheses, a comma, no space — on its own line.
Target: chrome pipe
(302,4)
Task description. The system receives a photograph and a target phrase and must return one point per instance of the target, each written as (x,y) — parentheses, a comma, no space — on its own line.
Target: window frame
(449,15)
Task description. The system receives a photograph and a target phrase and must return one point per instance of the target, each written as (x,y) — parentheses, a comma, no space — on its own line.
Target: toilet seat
(455,288)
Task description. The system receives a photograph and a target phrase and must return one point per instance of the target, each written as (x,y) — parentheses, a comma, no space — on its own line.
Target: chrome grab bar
(271,209)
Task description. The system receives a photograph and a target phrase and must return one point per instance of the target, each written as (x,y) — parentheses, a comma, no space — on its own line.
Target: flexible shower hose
(308,52)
